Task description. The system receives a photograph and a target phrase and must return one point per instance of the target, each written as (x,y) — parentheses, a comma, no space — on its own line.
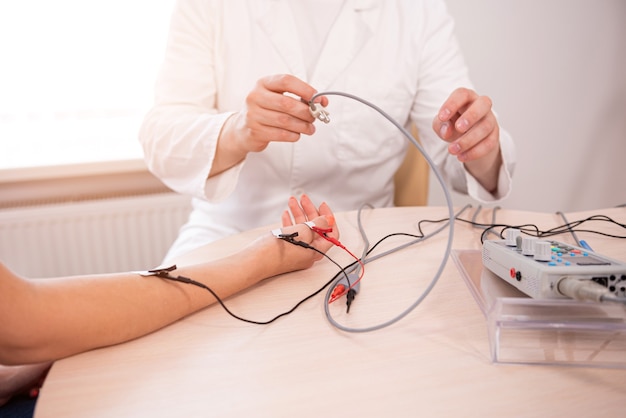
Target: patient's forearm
(47,319)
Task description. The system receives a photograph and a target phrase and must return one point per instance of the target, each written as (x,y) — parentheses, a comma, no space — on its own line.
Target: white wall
(556,71)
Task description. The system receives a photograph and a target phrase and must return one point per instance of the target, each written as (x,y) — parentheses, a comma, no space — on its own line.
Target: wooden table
(434,362)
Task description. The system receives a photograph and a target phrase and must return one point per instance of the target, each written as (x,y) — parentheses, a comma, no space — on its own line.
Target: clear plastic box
(531,331)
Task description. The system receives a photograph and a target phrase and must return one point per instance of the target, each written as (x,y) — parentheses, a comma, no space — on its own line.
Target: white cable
(609,297)
(446,193)
(586,290)
(581,289)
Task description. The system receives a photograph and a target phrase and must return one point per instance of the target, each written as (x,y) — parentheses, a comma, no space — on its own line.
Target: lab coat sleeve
(179,134)
(442,70)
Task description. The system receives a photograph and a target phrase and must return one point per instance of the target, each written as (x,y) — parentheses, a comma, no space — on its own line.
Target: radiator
(97,236)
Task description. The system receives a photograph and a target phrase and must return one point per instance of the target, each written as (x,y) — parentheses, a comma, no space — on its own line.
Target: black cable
(165,274)
(533,230)
(529,229)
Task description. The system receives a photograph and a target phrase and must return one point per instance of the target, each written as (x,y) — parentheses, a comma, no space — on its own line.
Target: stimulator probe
(545,269)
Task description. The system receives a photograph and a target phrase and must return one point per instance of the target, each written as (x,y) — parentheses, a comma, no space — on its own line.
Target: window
(77,78)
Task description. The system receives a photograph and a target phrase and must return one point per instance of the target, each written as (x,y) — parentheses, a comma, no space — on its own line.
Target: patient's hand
(305,210)
(280,256)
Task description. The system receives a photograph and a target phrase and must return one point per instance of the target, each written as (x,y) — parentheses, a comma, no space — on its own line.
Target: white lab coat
(400,55)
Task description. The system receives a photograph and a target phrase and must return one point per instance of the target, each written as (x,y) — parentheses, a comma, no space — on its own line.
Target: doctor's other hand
(468,124)
(466,121)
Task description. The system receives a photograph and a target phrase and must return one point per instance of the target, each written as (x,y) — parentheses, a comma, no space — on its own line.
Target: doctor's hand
(467,122)
(268,114)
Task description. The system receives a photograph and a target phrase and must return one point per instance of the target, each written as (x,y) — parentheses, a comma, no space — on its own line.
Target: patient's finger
(297,213)
(310,210)
(286,219)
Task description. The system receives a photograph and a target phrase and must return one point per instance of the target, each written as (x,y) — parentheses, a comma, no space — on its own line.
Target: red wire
(323,233)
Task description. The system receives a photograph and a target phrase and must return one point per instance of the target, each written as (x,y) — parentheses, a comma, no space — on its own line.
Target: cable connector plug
(319,112)
(349,298)
(348,286)
(581,289)
(338,292)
